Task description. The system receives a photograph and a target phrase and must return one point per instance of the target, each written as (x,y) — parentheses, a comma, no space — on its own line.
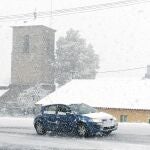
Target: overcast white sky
(121,36)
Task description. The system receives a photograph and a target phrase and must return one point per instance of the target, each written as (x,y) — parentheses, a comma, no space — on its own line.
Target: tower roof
(35,26)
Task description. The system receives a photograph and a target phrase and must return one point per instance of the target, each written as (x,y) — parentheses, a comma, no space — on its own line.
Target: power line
(123,70)
(69,11)
(98,7)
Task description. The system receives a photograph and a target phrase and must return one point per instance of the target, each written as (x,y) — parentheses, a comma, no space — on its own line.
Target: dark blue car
(80,119)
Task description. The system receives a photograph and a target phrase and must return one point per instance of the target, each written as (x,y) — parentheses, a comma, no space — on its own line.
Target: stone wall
(34,65)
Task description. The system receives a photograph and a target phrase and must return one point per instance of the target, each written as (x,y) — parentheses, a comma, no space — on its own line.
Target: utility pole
(35,14)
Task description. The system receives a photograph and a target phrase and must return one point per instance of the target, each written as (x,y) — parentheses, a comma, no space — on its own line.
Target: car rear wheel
(40,129)
(82,130)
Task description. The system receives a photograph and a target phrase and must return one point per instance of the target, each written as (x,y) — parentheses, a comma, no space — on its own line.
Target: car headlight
(114,119)
(96,120)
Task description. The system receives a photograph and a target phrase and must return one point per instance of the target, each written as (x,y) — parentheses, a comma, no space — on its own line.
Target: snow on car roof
(127,93)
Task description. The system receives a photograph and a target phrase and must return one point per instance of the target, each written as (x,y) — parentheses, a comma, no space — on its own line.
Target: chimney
(147,75)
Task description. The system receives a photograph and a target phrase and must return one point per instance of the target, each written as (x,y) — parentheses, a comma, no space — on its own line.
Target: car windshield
(82,108)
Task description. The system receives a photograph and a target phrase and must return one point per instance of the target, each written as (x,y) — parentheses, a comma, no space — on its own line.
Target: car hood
(99,115)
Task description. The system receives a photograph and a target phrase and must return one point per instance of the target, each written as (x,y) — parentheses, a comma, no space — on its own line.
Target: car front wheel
(40,129)
(82,130)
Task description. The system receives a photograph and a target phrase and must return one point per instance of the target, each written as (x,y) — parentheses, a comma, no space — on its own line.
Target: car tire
(40,129)
(82,130)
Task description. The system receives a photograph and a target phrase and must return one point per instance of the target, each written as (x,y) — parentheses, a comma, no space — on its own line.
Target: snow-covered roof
(2,92)
(127,93)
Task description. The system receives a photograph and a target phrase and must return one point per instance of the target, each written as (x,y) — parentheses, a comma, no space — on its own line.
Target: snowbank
(16,122)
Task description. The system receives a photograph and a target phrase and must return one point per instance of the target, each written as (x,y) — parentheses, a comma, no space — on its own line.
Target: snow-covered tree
(75,59)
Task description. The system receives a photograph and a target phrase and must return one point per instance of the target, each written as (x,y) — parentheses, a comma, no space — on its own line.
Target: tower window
(26,44)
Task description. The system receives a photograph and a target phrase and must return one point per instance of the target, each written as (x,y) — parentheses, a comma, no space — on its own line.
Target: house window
(26,44)
(123,118)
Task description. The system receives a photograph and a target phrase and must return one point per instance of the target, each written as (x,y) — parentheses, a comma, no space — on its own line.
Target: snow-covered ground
(16,122)
(19,134)
(134,128)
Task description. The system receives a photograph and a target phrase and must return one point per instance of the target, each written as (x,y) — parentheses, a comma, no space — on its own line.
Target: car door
(49,114)
(65,118)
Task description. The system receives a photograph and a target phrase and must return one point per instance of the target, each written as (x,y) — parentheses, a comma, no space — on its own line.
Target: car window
(50,109)
(63,110)
(82,108)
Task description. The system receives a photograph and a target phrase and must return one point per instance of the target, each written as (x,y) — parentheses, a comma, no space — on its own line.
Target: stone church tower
(32,55)
(32,64)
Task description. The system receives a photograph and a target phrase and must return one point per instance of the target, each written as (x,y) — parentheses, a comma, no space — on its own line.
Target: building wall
(132,115)
(32,55)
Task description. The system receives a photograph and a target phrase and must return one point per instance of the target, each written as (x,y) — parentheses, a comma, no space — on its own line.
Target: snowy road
(19,134)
